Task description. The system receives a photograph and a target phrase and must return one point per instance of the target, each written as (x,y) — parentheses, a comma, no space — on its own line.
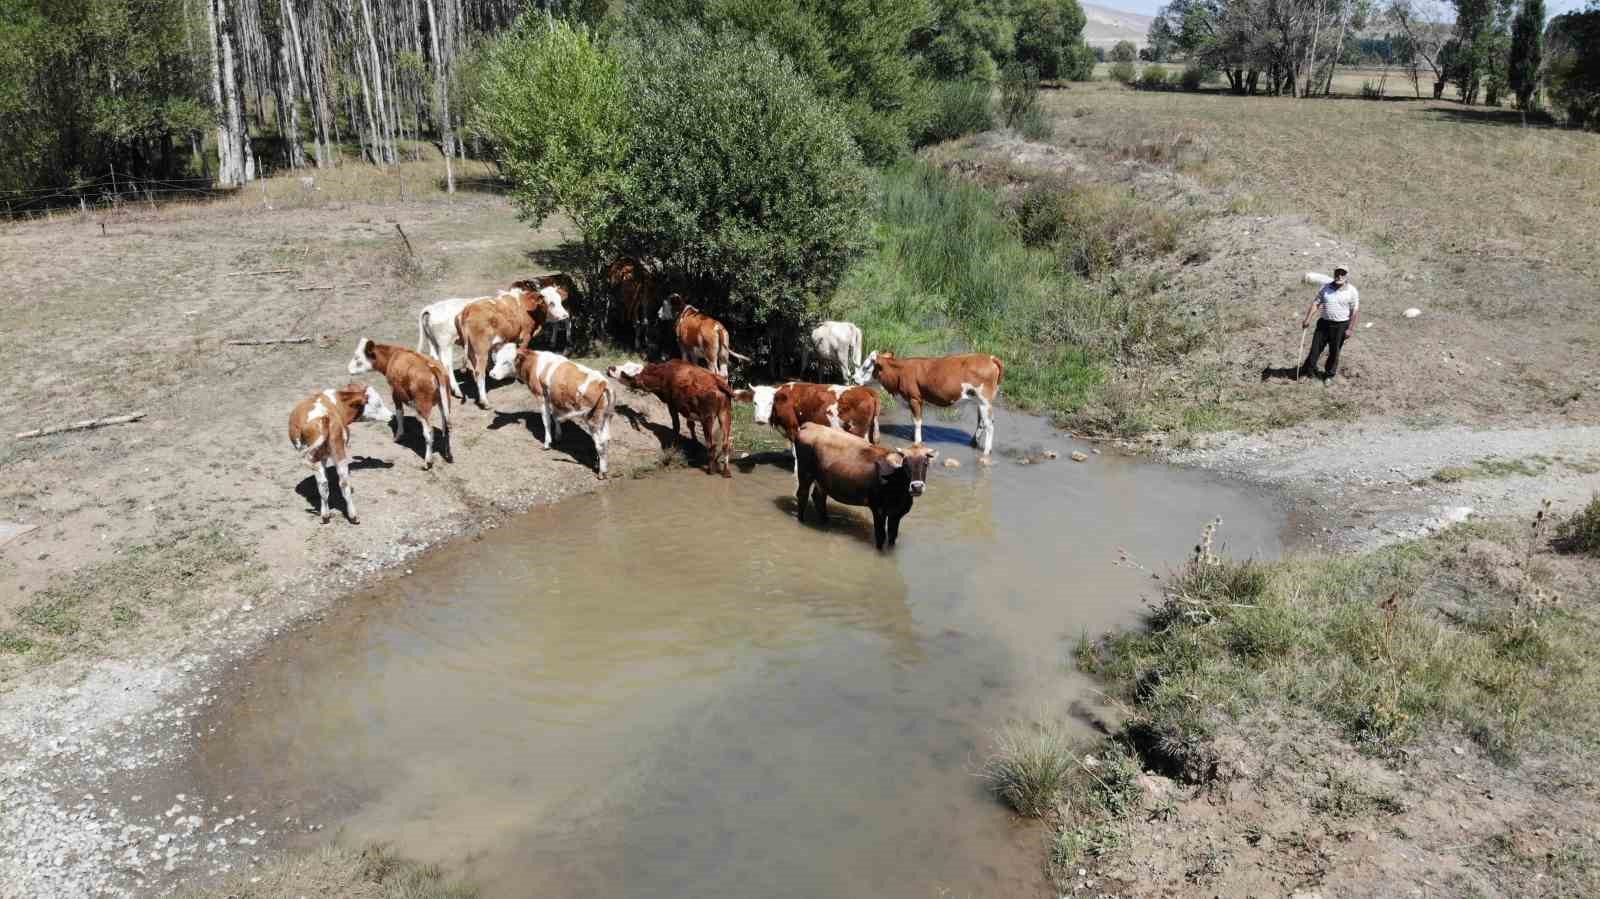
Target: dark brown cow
(831,463)
(567,289)
(515,316)
(414,380)
(633,286)
(694,393)
(788,406)
(700,337)
(319,428)
(942,381)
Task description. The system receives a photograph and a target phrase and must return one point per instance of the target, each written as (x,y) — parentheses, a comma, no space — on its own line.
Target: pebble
(952,463)
(1080,456)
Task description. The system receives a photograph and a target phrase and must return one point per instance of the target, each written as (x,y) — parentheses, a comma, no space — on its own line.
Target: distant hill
(1106,26)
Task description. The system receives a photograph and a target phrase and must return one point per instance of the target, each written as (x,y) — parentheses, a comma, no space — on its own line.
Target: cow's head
(373,408)
(553,302)
(362,360)
(869,366)
(504,360)
(913,460)
(760,398)
(625,372)
(672,307)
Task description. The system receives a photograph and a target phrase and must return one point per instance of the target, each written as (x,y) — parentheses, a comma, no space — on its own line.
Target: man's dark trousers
(1330,335)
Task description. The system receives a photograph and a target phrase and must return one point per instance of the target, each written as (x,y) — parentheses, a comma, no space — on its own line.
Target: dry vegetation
(369,872)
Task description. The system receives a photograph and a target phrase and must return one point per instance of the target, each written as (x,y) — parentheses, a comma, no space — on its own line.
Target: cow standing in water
(942,381)
(788,406)
(831,463)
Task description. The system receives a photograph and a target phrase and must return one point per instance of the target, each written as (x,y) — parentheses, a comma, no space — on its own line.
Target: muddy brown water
(672,688)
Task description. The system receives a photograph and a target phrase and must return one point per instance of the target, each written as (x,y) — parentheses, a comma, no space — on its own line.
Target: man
(1340,305)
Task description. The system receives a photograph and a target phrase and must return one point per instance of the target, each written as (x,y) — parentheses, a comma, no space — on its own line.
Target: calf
(942,381)
(560,331)
(831,463)
(319,428)
(515,316)
(437,336)
(699,335)
(633,287)
(834,345)
(788,406)
(566,391)
(414,380)
(690,391)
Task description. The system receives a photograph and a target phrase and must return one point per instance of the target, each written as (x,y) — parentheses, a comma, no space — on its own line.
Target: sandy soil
(158,550)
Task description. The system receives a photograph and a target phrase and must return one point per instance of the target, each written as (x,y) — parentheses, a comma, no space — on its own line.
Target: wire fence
(112,190)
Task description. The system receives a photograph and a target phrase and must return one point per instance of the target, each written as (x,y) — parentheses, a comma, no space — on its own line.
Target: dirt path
(160,550)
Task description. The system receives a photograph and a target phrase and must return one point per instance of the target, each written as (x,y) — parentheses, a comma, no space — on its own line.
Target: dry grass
(1413,178)
(370,872)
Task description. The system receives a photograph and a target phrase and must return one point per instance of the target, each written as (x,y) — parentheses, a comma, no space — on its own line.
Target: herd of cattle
(833,429)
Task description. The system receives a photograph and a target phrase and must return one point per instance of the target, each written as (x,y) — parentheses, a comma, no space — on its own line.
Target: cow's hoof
(428,465)
(327,518)
(355,519)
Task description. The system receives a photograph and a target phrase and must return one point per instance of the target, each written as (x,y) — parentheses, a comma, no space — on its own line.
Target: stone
(1413,312)
(952,463)
(1080,456)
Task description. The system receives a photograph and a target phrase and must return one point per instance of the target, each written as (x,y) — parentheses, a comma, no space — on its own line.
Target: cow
(694,393)
(834,345)
(700,337)
(831,463)
(942,381)
(560,331)
(566,391)
(788,406)
(414,380)
(633,286)
(319,429)
(515,317)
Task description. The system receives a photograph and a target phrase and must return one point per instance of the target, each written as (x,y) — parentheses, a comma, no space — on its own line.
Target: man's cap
(1341,270)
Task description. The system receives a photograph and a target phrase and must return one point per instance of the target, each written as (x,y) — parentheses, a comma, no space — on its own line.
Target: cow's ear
(744,395)
(933,454)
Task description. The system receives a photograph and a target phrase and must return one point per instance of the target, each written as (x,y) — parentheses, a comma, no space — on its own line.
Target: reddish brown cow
(942,381)
(699,335)
(788,406)
(694,393)
(319,428)
(633,286)
(516,316)
(414,380)
(560,331)
(830,463)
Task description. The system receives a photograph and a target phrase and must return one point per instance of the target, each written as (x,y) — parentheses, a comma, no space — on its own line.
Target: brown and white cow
(414,380)
(942,381)
(516,316)
(319,428)
(700,337)
(560,331)
(565,391)
(633,287)
(788,406)
(831,463)
(693,393)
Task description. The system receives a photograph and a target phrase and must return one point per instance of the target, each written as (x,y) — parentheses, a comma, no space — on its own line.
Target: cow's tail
(597,414)
(422,331)
(740,356)
(1000,369)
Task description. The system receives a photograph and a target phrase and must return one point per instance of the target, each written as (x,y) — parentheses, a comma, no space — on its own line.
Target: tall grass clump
(1030,767)
(1581,532)
(951,273)
(1123,71)
(959,108)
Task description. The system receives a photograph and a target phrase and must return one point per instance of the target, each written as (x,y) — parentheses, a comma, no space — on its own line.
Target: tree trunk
(442,98)
(1338,47)
(1311,52)
(383,131)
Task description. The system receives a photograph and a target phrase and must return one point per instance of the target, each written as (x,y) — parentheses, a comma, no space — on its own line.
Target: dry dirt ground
(158,548)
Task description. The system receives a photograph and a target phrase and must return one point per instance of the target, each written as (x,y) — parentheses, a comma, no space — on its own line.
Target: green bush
(1581,532)
(1050,38)
(959,107)
(1194,77)
(1036,124)
(764,202)
(1123,71)
(1124,51)
(1031,767)
(1153,78)
(1019,93)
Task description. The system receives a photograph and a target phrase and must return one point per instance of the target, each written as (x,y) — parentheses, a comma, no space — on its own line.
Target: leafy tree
(1160,39)
(1573,47)
(742,179)
(967,40)
(1050,38)
(1124,51)
(558,108)
(1527,51)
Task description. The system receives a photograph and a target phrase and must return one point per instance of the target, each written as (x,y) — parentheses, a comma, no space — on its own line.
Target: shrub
(1123,71)
(1153,78)
(1581,532)
(1193,77)
(959,107)
(1370,90)
(1124,51)
(1036,124)
(764,201)
(1049,37)
(1019,93)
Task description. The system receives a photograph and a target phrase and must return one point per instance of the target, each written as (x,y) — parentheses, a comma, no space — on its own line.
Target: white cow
(436,330)
(833,343)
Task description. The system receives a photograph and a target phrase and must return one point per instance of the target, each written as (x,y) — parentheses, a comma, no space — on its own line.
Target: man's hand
(1306,323)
